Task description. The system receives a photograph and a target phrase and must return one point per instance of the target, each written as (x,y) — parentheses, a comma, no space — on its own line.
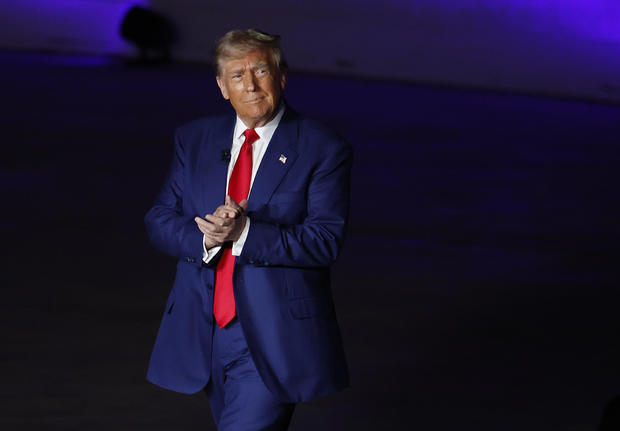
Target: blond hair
(236,43)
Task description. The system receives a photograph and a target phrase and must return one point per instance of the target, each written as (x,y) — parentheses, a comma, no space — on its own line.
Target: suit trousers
(239,399)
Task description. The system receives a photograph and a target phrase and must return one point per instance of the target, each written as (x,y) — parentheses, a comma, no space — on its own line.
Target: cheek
(271,97)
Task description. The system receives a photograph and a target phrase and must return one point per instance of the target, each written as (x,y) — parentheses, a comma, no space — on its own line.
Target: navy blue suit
(298,209)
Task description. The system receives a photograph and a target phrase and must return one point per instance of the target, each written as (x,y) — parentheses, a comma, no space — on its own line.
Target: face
(253,84)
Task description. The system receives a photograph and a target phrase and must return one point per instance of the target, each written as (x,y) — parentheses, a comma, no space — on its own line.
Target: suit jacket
(298,207)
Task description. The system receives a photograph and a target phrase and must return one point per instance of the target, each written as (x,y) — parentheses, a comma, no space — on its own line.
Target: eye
(262,71)
(236,77)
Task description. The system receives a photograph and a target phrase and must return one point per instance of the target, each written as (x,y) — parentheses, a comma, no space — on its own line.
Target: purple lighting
(568,47)
(73,25)
(597,19)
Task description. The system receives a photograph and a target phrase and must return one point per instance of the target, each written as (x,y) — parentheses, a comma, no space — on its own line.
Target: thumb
(244,204)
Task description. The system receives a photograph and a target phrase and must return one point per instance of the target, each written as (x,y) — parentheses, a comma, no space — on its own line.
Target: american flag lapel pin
(282,158)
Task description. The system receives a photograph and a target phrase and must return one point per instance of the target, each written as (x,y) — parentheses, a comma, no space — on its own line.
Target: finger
(218,221)
(208,223)
(238,207)
(200,222)
(229,208)
(206,227)
(217,238)
(232,203)
(226,211)
(202,225)
(215,219)
(211,229)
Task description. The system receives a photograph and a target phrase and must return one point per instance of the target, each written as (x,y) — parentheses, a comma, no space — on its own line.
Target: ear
(223,88)
(283,81)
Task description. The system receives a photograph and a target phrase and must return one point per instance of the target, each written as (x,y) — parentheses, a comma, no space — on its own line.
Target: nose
(248,82)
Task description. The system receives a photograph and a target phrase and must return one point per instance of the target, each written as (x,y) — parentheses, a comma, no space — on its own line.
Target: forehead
(243,59)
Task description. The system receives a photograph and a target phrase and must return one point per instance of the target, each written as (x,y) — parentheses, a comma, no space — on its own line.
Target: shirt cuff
(209,254)
(237,246)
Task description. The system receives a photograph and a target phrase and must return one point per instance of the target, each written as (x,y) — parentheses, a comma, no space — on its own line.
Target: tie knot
(250,136)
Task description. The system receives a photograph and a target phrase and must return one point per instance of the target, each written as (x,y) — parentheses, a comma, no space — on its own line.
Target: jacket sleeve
(317,241)
(169,229)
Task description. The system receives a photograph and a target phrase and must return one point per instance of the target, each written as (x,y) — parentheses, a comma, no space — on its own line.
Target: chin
(262,115)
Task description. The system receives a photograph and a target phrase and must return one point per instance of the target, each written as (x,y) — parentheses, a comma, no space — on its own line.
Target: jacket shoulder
(196,130)
(201,125)
(319,134)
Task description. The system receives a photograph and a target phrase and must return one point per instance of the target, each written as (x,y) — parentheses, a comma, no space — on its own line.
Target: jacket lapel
(277,161)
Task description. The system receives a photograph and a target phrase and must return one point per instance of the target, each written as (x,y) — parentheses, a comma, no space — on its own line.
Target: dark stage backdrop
(560,47)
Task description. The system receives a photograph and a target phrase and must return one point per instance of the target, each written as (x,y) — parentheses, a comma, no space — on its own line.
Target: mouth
(253,101)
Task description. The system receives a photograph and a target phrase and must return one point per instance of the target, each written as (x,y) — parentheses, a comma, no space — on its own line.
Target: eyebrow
(240,70)
(262,64)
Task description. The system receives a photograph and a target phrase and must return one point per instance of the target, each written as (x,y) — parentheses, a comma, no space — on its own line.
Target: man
(255,209)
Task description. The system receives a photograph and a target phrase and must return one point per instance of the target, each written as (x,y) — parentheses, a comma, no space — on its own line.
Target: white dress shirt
(259,147)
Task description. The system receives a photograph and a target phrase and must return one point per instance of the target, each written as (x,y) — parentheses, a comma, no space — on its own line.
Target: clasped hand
(225,224)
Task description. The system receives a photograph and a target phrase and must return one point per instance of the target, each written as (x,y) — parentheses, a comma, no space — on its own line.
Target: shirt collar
(264,132)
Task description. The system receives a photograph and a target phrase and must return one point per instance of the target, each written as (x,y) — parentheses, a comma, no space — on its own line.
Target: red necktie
(238,189)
